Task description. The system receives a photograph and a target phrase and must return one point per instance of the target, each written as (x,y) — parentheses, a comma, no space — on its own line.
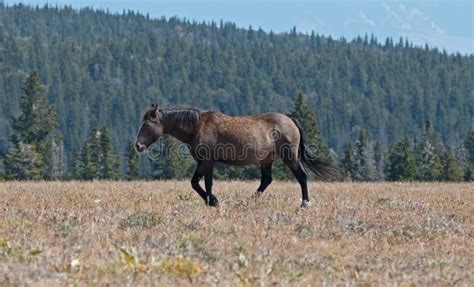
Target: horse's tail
(315,164)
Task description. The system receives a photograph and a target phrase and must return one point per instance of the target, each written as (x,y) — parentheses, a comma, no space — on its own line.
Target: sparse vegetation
(157,233)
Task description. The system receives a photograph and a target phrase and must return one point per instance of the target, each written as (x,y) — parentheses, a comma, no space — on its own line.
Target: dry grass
(160,233)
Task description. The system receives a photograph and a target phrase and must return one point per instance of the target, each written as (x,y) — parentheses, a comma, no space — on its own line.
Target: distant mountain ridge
(105,69)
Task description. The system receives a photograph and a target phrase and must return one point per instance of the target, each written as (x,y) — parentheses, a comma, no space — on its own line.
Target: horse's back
(249,139)
(251,125)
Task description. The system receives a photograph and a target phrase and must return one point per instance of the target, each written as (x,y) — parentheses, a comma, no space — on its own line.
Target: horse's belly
(247,144)
(243,155)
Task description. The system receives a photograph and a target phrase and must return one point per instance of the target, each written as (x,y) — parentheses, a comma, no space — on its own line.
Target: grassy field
(160,233)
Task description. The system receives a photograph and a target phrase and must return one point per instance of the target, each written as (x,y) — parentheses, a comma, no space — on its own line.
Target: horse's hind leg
(266,178)
(301,176)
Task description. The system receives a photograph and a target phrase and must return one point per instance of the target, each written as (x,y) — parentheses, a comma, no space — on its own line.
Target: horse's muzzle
(140,147)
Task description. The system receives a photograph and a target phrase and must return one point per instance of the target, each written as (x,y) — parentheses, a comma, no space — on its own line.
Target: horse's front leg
(211,200)
(198,174)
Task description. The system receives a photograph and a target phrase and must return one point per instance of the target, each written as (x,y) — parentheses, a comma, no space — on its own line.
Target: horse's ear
(154,107)
(156,111)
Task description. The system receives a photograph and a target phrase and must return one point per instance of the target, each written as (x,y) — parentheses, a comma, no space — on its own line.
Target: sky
(443,24)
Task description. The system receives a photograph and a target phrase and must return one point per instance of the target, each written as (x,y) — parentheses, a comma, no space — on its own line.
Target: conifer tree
(165,159)
(305,114)
(469,147)
(379,158)
(23,163)
(77,167)
(133,162)
(34,134)
(363,162)
(348,162)
(109,167)
(2,169)
(89,156)
(401,162)
(452,170)
(57,158)
(98,158)
(38,119)
(427,158)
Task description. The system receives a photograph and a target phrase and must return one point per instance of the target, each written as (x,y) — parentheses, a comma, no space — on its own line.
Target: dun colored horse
(215,137)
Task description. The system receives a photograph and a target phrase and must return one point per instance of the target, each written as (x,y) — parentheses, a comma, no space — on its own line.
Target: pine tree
(379,158)
(90,156)
(57,155)
(51,152)
(452,170)
(38,119)
(401,162)
(133,162)
(2,169)
(109,167)
(34,132)
(98,158)
(363,162)
(428,162)
(77,167)
(169,160)
(23,163)
(348,162)
(305,114)
(469,147)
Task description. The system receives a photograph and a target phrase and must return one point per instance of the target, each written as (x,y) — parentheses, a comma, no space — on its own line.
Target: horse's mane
(187,118)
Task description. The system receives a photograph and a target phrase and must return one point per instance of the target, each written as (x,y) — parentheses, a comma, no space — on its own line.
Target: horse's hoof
(305,204)
(212,201)
(257,195)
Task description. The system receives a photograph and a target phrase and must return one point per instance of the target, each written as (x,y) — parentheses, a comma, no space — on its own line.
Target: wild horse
(215,137)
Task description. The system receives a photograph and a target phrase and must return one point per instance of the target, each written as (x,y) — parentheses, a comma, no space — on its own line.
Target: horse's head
(150,130)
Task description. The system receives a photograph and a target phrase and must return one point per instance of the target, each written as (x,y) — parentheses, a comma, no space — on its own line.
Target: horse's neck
(178,132)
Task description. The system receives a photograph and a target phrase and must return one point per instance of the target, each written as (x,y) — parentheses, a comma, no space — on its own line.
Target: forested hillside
(102,69)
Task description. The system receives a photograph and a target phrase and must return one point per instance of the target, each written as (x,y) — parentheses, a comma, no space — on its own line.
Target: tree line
(101,71)
(37,155)
(425,158)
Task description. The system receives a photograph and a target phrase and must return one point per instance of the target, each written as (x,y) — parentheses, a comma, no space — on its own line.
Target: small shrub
(383,200)
(352,225)
(188,196)
(129,256)
(67,228)
(303,230)
(180,266)
(140,220)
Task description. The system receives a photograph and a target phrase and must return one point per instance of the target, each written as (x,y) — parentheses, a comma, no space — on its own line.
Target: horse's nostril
(139,147)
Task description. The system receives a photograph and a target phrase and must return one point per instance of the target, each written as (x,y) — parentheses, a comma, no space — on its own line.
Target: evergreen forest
(75,83)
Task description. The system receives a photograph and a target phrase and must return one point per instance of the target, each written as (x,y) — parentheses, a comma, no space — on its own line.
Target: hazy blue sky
(444,24)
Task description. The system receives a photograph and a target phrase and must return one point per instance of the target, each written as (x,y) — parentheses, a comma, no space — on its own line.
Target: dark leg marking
(211,200)
(302,178)
(266,178)
(198,174)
